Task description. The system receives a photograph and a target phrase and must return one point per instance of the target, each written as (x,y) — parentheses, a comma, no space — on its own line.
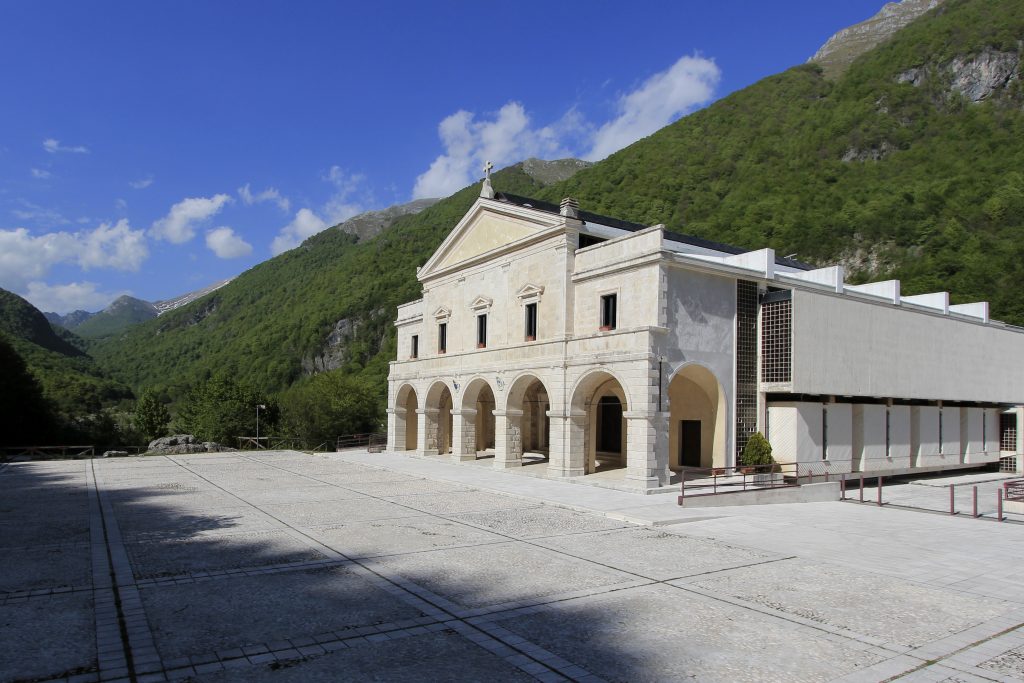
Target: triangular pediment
(487,228)
(481,303)
(442,313)
(529,291)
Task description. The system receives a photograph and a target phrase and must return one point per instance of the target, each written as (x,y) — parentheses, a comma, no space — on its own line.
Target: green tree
(757,451)
(26,418)
(222,409)
(331,404)
(151,416)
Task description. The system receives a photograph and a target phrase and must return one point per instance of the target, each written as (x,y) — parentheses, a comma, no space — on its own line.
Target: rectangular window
(824,433)
(531,322)
(414,350)
(1007,432)
(609,312)
(940,431)
(442,338)
(481,331)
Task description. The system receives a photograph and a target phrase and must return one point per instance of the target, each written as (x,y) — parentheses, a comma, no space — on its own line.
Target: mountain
(890,174)
(72,319)
(70,379)
(185,299)
(549,172)
(122,313)
(372,223)
(841,49)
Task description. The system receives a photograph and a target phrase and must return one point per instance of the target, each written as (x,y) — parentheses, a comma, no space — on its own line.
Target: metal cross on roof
(487,170)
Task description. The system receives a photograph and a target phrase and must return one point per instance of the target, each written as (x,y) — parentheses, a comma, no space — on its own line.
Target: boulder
(185,443)
(114,454)
(167,442)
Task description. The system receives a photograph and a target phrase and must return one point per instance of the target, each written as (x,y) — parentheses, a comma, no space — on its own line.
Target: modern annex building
(550,334)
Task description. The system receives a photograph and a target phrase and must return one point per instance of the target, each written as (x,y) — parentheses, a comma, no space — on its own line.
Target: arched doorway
(527,421)
(406,419)
(478,419)
(438,409)
(598,405)
(697,419)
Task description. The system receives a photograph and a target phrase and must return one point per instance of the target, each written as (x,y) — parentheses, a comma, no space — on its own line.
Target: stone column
(1019,412)
(396,431)
(567,446)
(508,439)
(426,434)
(647,448)
(464,435)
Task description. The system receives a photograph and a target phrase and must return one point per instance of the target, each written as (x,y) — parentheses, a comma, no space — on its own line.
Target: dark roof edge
(589,217)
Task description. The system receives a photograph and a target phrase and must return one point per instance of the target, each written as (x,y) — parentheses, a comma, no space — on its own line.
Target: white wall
(844,346)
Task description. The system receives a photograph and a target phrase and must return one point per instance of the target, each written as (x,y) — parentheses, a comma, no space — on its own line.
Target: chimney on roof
(570,208)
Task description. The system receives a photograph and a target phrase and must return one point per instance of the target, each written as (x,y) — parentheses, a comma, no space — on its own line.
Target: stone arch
(437,408)
(406,418)
(527,404)
(477,411)
(696,396)
(599,429)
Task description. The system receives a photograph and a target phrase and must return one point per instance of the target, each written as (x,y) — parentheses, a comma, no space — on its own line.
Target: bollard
(682,487)
(952,502)
(975,501)
(842,488)
(862,488)
(879,491)
(999,505)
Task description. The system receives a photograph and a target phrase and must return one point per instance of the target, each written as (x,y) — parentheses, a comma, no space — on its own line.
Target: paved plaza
(284,566)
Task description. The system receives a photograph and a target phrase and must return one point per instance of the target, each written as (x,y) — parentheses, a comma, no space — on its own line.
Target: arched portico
(523,427)
(435,429)
(473,423)
(697,419)
(405,418)
(598,430)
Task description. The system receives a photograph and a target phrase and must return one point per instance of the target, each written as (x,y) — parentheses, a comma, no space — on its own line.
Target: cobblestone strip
(397,586)
(22,596)
(138,648)
(199,577)
(111,653)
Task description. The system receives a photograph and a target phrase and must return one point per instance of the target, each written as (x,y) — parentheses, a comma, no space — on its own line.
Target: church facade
(589,345)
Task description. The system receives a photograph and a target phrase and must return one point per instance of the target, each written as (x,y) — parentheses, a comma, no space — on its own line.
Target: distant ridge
(185,299)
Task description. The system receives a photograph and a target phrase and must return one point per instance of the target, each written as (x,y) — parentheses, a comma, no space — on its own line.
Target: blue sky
(153,148)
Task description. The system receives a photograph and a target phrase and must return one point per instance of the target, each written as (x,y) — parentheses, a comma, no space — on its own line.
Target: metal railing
(372,441)
(44,452)
(1010,491)
(273,443)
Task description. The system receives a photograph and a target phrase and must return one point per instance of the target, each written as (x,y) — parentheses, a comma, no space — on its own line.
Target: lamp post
(258,406)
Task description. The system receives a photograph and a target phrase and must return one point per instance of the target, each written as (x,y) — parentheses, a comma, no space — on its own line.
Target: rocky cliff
(841,49)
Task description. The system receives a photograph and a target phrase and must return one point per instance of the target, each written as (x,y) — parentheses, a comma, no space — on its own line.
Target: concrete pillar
(647,448)
(464,435)
(396,441)
(565,454)
(426,433)
(508,438)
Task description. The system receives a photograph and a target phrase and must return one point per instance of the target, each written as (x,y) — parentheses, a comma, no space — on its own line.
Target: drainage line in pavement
(121,624)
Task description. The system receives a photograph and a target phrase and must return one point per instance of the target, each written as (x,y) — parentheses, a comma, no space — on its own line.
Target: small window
(888,433)
(414,350)
(531,321)
(940,432)
(442,338)
(609,312)
(824,433)
(481,331)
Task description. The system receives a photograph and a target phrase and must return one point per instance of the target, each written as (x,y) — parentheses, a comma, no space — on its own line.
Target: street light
(258,406)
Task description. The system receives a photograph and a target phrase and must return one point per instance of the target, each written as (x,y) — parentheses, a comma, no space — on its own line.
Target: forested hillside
(909,165)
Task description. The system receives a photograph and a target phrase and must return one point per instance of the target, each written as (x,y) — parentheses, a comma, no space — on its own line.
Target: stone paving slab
(460,502)
(501,573)
(217,615)
(313,493)
(404,487)
(170,557)
(47,637)
(185,523)
(655,554)
(441,656)
(45,530)
(62,566)
(891,609)
(363,475)
(658,633)
(402,535)
(311,514)
(539,521)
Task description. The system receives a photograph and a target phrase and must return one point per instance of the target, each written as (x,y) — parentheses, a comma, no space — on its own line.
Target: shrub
(757,451)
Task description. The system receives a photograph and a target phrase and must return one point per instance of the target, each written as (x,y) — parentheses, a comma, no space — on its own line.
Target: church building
(585,345)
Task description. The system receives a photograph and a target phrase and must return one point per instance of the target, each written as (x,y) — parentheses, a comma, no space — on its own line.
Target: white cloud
(661,99)
(342,206)
(40,173)
(40,215)
(271,194)
(141,184)
(25,257)
(305,224)
(179,225)
(70,297)
(225,243)
(53,146)
(468,143)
